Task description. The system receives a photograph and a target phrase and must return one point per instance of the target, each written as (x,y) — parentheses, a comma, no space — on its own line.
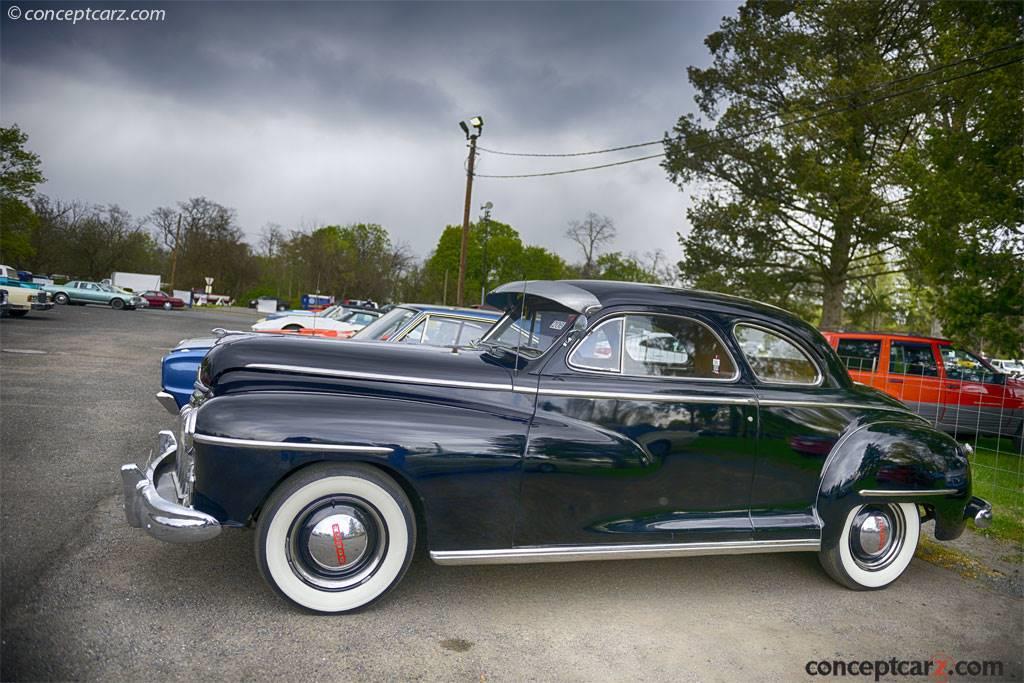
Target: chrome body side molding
(287,445)
(582,553)
(879,493)
(354,374)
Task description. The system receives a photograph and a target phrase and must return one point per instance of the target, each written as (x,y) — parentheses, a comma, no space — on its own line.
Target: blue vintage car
(407,323)
(595,420)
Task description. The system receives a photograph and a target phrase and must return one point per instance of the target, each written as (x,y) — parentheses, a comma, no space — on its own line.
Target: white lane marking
(37,351)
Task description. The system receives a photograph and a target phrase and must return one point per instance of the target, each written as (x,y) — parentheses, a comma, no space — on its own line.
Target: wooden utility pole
(460,289)
(174,253)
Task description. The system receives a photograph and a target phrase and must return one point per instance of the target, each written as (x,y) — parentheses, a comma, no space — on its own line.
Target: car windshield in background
(967,367)
(530,333)
(385,327)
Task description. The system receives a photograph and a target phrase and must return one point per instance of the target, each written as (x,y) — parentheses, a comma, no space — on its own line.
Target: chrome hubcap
(876,536)
(336,543)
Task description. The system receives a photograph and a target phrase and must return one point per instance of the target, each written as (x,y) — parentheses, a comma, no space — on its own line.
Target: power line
(780,126)
(867,89)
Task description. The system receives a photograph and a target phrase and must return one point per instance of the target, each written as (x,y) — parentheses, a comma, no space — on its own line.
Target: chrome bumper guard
(151,501)
(980,511)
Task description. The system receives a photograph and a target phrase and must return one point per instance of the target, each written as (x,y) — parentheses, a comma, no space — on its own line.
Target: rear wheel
(875,545)
(117,304)
(292,328)
(167,305)
(335,537)
(61,298)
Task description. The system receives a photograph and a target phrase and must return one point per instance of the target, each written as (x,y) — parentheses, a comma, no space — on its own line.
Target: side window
(442,332)
(667,346)
(774,358)
(601,349)
(860,354)
(471,331)
(909,358)
(415,335)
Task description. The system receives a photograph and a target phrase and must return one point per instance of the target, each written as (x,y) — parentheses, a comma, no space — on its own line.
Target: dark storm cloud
(347,76)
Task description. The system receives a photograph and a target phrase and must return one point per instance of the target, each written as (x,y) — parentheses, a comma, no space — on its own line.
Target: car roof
(903,336)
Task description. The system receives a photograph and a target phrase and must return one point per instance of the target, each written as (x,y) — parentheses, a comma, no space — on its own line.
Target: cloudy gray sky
(306,114)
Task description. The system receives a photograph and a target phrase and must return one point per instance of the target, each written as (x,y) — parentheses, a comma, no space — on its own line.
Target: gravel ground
(86,597)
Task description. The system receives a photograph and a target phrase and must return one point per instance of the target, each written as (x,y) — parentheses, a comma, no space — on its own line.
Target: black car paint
(493,457)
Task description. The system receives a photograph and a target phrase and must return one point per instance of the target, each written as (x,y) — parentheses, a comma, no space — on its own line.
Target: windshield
(531,331)
(385,327)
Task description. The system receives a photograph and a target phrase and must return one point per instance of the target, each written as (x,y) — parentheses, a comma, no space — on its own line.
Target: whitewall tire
(875,545)
(334,537)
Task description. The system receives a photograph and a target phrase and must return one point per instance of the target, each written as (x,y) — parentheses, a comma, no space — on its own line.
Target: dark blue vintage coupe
(596,420)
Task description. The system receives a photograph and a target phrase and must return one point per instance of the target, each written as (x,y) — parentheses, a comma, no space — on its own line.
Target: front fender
(459,461)
(895,461)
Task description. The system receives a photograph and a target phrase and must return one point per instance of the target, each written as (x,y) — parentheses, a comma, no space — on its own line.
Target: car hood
(263,361)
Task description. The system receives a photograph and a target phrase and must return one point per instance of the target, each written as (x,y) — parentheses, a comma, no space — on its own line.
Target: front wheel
(875,545)
(61,298)
(167,305)
(292,328)
(335,537)
(117,304)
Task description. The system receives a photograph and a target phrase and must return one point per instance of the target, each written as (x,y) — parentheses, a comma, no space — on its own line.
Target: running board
(584,553)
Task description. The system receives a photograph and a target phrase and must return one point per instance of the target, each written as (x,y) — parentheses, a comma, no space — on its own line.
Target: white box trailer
(136,282)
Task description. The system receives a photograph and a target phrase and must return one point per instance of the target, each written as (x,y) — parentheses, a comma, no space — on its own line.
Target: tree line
(199,238)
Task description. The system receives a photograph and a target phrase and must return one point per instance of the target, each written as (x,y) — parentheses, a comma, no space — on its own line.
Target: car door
(913,377)
(972,395)
(644,432)
(802,415)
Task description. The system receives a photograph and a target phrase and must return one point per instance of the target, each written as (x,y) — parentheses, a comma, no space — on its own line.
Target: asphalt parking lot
(86,597)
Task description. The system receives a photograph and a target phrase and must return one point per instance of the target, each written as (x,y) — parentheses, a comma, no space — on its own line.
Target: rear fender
(895,461)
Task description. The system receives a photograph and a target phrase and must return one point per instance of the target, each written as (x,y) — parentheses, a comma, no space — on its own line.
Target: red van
(958,391)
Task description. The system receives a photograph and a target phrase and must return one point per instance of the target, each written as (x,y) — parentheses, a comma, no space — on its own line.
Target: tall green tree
(965,180)
(494,249)
(789,211)
(20,173)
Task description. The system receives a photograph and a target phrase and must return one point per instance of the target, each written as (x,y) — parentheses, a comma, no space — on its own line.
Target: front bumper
(151,501)
(42,307)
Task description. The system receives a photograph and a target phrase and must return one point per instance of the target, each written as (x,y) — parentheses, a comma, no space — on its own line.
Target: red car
(162,299)
(956,390)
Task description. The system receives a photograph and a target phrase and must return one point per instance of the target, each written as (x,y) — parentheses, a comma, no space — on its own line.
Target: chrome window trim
(407,330)
(879,493)
(353,374)
(286,445)
(678,398)
(622,314)
(534,554)
(819,379)
(486,322)
(589,368)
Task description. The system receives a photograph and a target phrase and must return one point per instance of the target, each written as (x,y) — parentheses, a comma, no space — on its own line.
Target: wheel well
(398,477)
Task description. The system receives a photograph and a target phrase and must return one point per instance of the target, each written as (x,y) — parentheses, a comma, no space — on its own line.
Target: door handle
(896,381)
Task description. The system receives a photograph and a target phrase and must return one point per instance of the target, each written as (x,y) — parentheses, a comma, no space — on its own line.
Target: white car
(1009,366)
(341,323)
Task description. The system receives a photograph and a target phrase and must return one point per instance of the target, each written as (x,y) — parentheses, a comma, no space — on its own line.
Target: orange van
(956,390)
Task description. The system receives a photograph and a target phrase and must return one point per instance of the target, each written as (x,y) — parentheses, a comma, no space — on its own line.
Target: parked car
(22,296)
(163,300)
(81,292)
(408,324)
(340,321)
(277,303)
(955,390)
(538,446)
(1008,366)
(4,306)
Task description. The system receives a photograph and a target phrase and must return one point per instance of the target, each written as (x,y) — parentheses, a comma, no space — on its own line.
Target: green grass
(999,479)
